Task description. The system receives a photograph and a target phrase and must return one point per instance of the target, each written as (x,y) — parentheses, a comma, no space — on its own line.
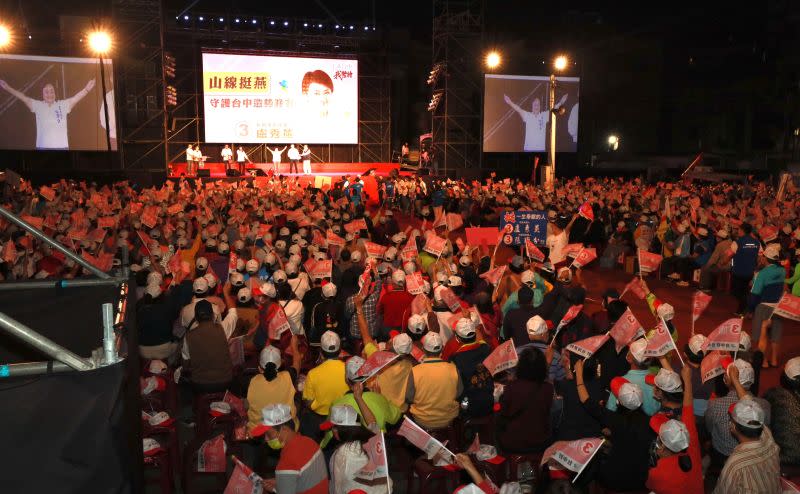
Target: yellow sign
(236,82)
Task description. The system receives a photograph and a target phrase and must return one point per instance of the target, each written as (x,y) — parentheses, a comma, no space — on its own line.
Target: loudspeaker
(203,173)
(230,172)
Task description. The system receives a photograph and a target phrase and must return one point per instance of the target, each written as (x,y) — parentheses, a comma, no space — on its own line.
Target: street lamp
(493,60)
(100,44)
(5,36)
(559,64)
(613,142)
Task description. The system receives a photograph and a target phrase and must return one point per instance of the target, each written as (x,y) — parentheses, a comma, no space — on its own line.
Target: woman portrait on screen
(317,88)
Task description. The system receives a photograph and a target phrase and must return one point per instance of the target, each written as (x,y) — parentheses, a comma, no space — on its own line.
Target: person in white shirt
(557,241)
(227,156)
(535,123)
(51,114)
(190,163)
(241,158)
(306,155)
(276,158)
(198,156)
(294,158)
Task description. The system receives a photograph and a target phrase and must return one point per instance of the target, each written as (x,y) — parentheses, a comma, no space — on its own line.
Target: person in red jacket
(394,304)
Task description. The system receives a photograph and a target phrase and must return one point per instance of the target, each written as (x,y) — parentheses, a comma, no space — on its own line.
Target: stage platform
(333,170)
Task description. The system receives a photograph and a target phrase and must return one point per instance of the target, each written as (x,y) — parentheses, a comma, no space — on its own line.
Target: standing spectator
(784,404)
(718,262)
(433,387)
(468,354)
(639,370)
(768,289)
(745,255)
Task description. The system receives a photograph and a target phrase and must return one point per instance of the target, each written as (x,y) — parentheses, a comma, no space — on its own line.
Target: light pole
(559,64)
(100,43)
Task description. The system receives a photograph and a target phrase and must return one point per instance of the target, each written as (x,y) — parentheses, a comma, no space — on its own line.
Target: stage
(333,171)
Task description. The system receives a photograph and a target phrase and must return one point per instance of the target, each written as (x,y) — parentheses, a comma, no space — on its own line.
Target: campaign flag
(482,235)
(321,269)
(648,261)
(573,455)
(149,218)
(626,329)
(788,306)
(502,358)
(374,250)
(476,444)
(409,252)
(236,349)
(334,239)
(451,299)
(107,222)
(495,275)
(711,366)
(244,480)
(586,211)
(34,221)
(588,346)
(415,283)
(661,342)
(635,287)
(533,251)
(375,363)
(417,436)
(571,314)
(232,262)
(435,245)
(768,233)
(9,252)
(356,225)
(700,301)
(277,324)
(211,455)
(318,239)
(377,464)
(584,257)
(236,403)
(572,250)
(48,193)
(725,337)
(439,217)
(454,221)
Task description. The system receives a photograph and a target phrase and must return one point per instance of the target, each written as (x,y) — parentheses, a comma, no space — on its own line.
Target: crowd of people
(321,285)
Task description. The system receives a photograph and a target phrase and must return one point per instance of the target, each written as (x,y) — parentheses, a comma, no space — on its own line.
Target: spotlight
(493,60)
(561,62)
(319,26)
(100,42)
(351,28)
(271,23)
(186,18)
(337,26)
(30,37)
(201,18)
(221,19)
(255,21)
(236,21)
(5,36)
(285,23)
(366,28)
(373,28)
(305,24)
(613,142)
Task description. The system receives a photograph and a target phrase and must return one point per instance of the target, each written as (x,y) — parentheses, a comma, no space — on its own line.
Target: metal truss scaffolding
(455,105)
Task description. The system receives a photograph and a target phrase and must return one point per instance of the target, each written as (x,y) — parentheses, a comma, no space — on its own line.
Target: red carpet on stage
(217,170)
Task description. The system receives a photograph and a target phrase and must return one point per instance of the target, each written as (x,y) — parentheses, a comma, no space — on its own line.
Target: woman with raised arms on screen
(51,114)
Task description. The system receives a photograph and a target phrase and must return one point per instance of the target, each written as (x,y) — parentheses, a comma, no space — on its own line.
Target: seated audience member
(349,458)
(639,370)
(155,313)
(272,386)
(206,358)
(468,355)
(539,334)
(324,385)
(433,387)
(784,404)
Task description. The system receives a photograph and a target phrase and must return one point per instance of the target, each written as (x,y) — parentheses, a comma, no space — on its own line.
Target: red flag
(9,252)
(789,307)
(533,251)
(648,261)
(635,287)
(700,301)
(571,314)
(584,257)
(377,464)
(573,455)
(374,250)
(711,366)
(725,337)
(174,263)
(588,346)
(451,299)
(476,444)
(586,211)
(661,342)
(454,221)
(502,358)
(277,324)
(243,480)
(439,217)
(356,225)
(415,283)
(47,192)
(435,245)
(334,239)
(626,329)
(318,239)
(493,276)
(232,263)
(409,252)
(417,436)
(34,221)
(236,403)
(571,250)
(211,456)
(375,363)
(768,233)
(322,269)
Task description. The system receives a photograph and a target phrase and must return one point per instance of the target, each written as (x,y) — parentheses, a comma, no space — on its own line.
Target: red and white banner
(9,252)
(417,436)
(533,251)
(318,239)
(711,366)
(586,211)
(435,245)
(573,455)
(334,239)
(322,269)
(584,257)
(635,287)
(789,307)
(649,261)
(417,353)
(439,218)
(588,346)
(415,283)
(47,192)
(375,363)
(451,299)
(768,233)
(356,226)
(571,314)
(277,324)
(454,221)
(34,221)
(377,464)
(626,329)
(502,358)
(725,337)
(572,250)
(374,250)
(409,252)
(700,302)
(493,276)
(232,263)
(236,403)
(243,480)
(211,455)
(661,342)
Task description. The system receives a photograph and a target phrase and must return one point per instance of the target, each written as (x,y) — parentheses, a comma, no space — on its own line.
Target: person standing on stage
(190,165)
(198,156)
(404,154)
(241,158)
(294,158)
(276,158)
(227,156)
(306,155)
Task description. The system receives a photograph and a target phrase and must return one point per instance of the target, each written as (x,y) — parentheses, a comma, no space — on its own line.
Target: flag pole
(639,258)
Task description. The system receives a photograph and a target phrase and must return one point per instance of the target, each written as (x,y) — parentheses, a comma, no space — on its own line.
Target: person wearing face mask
(301,467)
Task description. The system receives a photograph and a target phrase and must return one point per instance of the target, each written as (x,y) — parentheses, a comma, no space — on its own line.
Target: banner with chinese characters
(280,100)
(522,224)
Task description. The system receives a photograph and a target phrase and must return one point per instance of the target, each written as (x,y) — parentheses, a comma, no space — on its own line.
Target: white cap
(283,232)
(628,394)
(399,277)
(280,245)
(291,268)
(218,408)
(343,415)
(772,252)
(746,374)
(432,342)
(211,279)
(244,295)
(667,380)
(792,368)
(154,278)
(465,260)
(270,258)
(236,279)
(637,348)
(330,342)
(390,254)
(157,367)
(454,281)
(722,233)
(696,343)
(409,267)
(748,413)
(674,435)
(268,289)
(328,290)
(526,277)
(252,266)
(352,366)
(665,311)
(417,324)
(223,247)
(151,447)
(153,290)
(355,256)
(279,276)
(240,264)
(269,354)
(465,328)
(384,268)
(744,342)
(401,344)
(200,285)
(294,249)
(276,414)
(536,326)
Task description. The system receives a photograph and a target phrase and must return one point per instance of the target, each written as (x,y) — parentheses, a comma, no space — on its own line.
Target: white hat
(211,279)
(399,277)
(151,447)
(343,415)
(465,260)
(328,290)
(564,274)
(268,289)
(722,233)
(320,256)
(330,342)
(291,268)
(238,245)
(200,285)
(269,354)
(465,328)
(527,277)
(161,419)
(219,408)
(252,266)
(352,366)
(294,249)
(390,254)
(417,324)
(628,394)
(696,343)
(401,344)
(283,232)
(665,311)
(157,367)
(355,256)
(637,348)
(666,380)
(244,295)
(279,276)
(384,268)
(746,374)
(536,326)
(748,413)
(398,237)
(772,252)
(236,279)
(409,267)
(432,342)
(154,278)
(454,281)
(270,258)
(223,248)
(674,435)
(792,368)
(240,264)
(744,342)
(280,245)
(272,416)
(153,290)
